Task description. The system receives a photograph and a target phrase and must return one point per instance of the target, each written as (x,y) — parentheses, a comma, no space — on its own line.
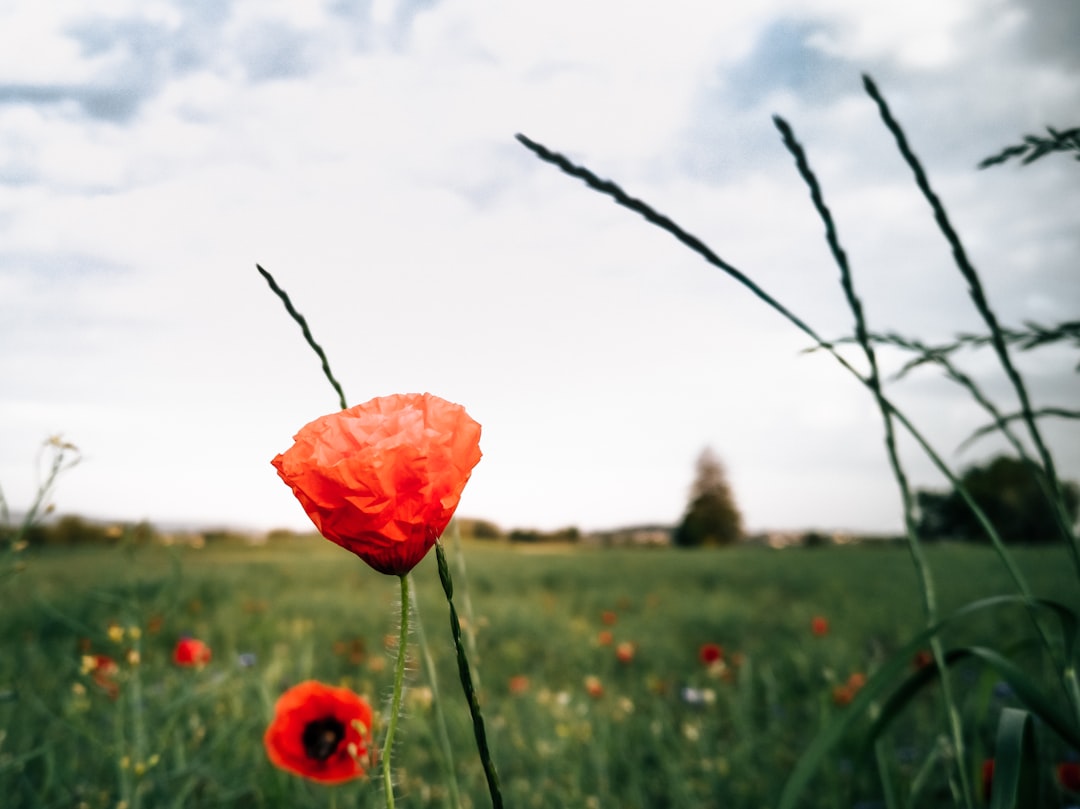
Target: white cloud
(376,175)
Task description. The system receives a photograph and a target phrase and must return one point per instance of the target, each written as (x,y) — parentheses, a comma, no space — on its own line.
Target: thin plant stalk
(302,322)
(978,296)
(467,685)
(696,245)
(399,688)
(454,792)
(873,381)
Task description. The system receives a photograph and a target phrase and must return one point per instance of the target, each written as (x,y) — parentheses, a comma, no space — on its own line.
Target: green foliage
(177,737)
(529,535)
(1037,146)
(712,517)
(478,529)
(1009,491)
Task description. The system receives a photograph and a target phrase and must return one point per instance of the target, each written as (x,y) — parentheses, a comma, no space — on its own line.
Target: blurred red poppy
(382,479)
(191,652)
(103,669)
(518,684)
(1068,775)
(710,653)
(819,625)
(625,652)
(922,659)
(320,732)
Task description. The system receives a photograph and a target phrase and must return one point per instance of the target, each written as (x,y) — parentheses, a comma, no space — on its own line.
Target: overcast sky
(152,152)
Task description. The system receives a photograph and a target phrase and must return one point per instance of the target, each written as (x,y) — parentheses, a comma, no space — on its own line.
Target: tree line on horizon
(1004,487)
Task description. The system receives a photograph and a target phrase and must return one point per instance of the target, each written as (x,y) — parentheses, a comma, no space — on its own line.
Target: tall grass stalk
(873,381)
(1055,493)
(1044,470)
(695,244)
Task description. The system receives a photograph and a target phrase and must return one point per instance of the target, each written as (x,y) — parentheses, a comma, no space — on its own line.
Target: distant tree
(1009,492)
(711,517)
(479,529)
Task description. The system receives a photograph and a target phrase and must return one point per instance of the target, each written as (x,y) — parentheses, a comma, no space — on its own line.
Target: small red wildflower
(604,637)
(593,687)
(382,479)
(625,652)
(103,669)
(609,617)
(320,732)
(987,778)
(922,659)
(191,652)
(710,653)
(1068,775)
(819,625)
(518,684)
(844,694)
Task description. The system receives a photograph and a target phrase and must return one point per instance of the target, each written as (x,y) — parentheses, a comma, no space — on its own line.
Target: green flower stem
(399,687)
(454,797)
(467,682)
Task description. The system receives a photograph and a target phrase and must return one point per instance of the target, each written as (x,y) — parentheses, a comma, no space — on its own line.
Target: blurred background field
(589,663)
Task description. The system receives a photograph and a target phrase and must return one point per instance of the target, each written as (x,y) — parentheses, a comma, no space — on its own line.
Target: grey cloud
(783,59)
(273,50)
(1051,31)
(356,16)
(731,129)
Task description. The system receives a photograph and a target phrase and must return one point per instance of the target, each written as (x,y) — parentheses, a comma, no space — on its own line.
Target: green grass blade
(302,322)
(982,305)
(1015,782)
(895,668)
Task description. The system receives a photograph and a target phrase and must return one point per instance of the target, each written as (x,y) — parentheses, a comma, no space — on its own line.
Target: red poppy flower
(383,479)
(320,732)
(604,637)
(625,652)
(710,653)
(819,625)
(191,652)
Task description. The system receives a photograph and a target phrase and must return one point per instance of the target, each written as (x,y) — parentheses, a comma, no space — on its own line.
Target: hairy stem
(399,687)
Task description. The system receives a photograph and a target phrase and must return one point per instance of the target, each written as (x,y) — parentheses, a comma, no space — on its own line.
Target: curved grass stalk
(978,296)
(467,685)
(695,244)
(302,322)
(873,381)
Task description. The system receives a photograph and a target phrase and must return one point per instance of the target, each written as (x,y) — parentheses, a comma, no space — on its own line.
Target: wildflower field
(607,677)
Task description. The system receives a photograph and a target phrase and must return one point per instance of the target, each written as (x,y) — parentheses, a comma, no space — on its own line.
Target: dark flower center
(322,737)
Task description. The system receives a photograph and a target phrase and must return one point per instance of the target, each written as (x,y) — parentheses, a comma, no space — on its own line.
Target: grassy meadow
(587,660)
